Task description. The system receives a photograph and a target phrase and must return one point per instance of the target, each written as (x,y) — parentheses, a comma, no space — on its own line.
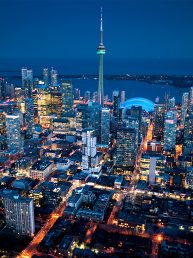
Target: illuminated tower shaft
(101,52)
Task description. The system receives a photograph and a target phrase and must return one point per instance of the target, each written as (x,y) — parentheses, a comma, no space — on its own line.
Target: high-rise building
(132,122)
(87,95)
(126,147)
(136,111)
(54,76)
(101,51)
(188,134)
(170,125)
(46,76)
(43,99)
(76,94)
(116,103)
(88,148)
(105,126)
(67,98)
(159,121)
(27,81)
(14,140)
(191,98)
(2,88)
(56,101)
(88,116)
(185,100)
(29,117)
(122,96)
(19,214)
(171,103)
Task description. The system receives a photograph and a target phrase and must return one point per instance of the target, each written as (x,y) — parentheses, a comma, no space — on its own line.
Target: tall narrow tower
(101,52)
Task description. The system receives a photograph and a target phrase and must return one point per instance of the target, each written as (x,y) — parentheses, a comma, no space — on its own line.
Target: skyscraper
(29,116)
(184,106)
(105,126)
(170,125)
(122,96)
(14,140)
(67,98)
(27,81)
(116,103)
(54,76)
(19,214)
(46,76)
(101,51)
(126,147)
(159,121)
(88,148)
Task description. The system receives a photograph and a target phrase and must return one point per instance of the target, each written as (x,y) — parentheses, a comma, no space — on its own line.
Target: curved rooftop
(146,104)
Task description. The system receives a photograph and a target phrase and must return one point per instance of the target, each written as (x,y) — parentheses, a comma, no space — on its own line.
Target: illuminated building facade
(14,140)
(158,130)
(29,116)
(54,76)
(19,214)
(27,81)
(56,101)
(88,148)
(105,126)
(185,100)
(126,147)
(170,125)
(46,76)
(67,98)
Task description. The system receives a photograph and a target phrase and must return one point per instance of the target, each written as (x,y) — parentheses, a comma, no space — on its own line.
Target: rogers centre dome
(146,104)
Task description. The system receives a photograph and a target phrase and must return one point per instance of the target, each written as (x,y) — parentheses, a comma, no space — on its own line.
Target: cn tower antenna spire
(101,27)
(101,51)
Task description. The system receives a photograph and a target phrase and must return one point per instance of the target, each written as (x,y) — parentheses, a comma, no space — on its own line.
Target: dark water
(10,67)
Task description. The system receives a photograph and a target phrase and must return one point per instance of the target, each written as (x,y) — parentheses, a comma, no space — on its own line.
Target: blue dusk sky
(133,29)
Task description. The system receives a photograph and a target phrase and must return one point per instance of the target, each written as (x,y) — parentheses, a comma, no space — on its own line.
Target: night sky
(139,29)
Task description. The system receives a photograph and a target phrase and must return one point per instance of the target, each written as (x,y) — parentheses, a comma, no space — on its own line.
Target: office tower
(95,96)
(19,214)
(105,126)
(191,99)
(87,95)
(126,147)
(46,76)
(88,116)
(56,101)
(54,76)
(101,51)
(159,121)
(94,118)
(116,103)
(27,81)
(88,148)
(170,125)
(19,94)
(2,123)
(29,117)
(151,166)
(185,99)
(67,98)
(14,140)
(2,88)
(171,103)
(76,94)
(188,134)
(132,122)
(43,105)
(136,111)
(122,96)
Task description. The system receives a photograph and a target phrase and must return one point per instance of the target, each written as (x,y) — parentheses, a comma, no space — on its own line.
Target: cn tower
(101,52)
